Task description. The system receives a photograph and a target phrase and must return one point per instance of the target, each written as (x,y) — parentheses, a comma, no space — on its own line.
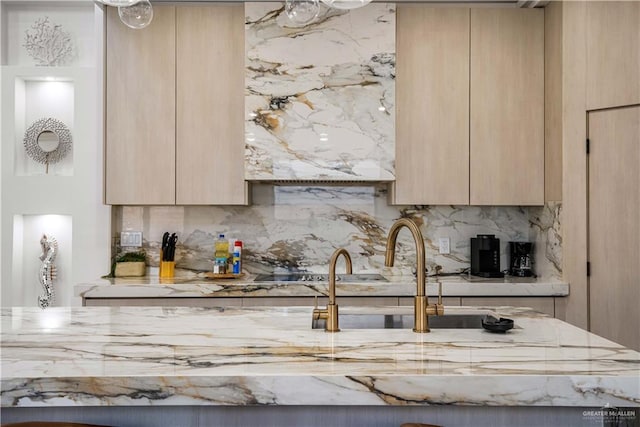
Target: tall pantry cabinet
(174,113)
(470,106)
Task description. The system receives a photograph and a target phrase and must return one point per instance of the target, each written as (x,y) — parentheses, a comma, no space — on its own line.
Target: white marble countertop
(98,356)
(190,287)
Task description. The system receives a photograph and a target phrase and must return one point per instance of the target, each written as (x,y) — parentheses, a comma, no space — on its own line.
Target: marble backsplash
(319,98)
(298,228)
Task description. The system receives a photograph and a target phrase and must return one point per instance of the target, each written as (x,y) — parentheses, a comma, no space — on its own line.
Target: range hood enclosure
(320,99)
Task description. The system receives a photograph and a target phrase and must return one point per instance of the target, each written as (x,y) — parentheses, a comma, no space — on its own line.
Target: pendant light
(118,3)
(136,16)
(302,12)
(346,4)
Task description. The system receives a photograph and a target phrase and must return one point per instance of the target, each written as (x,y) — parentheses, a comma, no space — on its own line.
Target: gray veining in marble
(298,228)
(319,101)
(546,222)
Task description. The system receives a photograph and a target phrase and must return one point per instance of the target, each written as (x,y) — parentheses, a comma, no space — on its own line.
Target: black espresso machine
(485,256)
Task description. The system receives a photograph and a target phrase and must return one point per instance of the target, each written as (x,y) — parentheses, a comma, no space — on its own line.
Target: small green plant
(132,257)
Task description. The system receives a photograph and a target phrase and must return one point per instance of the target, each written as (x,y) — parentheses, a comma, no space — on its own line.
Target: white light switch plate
(131,238)
(443,244)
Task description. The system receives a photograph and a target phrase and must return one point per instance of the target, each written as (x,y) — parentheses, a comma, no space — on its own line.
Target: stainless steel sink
(402,321)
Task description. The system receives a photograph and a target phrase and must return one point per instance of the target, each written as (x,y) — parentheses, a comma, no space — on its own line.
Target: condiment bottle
(237,257)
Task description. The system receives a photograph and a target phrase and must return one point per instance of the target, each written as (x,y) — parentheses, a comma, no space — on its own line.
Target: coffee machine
(520,259)
(485,256)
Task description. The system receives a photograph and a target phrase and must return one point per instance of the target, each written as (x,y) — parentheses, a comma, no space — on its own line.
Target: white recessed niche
(75,19)
(27,232)
(38,98)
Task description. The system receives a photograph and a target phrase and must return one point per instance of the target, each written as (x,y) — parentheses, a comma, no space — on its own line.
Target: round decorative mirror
(47,141)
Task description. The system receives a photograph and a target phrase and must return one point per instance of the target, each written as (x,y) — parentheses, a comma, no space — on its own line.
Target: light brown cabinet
(613,54)
(432,105)
(140,123)
(470,106)
(614,203)
(542,304)
(307,301)
(507,107)
(210,105)
(174,122)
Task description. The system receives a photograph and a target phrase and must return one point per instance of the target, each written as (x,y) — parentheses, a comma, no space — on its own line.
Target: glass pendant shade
(119,3)
(136,16)
(302,12)
(346,4)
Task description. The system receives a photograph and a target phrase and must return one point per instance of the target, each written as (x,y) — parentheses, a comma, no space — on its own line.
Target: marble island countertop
(100,356)
(198,286)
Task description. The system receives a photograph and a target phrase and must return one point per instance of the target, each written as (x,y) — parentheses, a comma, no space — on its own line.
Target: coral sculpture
(47,269)
(48,44)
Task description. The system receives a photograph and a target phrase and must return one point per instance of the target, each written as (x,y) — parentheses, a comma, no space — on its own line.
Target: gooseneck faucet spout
(422,309)
(332,271)
(330,313)
(390,254)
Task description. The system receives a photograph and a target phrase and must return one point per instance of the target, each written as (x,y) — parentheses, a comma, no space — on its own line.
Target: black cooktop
(317,277)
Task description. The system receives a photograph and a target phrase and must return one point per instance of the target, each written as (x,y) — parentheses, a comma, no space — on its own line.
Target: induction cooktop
(317,277)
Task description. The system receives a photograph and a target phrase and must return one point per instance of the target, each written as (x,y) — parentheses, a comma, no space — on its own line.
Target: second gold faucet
(421,307)
(330,313)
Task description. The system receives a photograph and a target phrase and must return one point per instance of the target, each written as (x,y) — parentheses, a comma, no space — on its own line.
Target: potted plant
(130,264)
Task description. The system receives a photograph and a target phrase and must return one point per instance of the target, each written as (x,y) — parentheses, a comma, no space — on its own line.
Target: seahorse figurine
(47,269)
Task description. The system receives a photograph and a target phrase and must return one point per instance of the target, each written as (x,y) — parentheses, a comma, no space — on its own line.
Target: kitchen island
(160,366)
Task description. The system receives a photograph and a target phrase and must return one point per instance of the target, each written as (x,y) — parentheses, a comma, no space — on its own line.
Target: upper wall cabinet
(470,103)
(174,125)
(432,96)
(210,105)
(507,107)
(140,112)
(613,54)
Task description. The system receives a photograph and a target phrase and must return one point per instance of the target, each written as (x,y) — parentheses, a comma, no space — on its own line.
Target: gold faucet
(421,306)
(330,313)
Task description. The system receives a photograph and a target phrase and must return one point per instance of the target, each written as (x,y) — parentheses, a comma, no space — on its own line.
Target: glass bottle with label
(221,255)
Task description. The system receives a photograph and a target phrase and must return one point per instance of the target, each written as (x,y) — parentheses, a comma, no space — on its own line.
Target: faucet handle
(439,308)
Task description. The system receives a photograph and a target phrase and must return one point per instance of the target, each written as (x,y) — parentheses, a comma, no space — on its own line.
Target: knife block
(167,269)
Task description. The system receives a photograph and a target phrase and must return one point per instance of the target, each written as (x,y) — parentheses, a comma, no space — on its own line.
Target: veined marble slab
(98,356)
(153,287)
(290,228)
(320,99)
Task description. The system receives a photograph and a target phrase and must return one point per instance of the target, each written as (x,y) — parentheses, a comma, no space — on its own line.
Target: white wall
(77,194)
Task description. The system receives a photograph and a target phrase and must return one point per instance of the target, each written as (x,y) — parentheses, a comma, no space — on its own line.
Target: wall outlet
(131,239)
(443,244)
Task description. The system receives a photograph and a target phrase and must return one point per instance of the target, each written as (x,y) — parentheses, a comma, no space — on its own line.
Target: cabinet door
(614,230)
(507,107)
(140,110)
(613,54)
(210,105)
(432,105)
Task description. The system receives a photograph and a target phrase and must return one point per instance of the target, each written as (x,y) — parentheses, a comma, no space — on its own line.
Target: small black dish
(492,324)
